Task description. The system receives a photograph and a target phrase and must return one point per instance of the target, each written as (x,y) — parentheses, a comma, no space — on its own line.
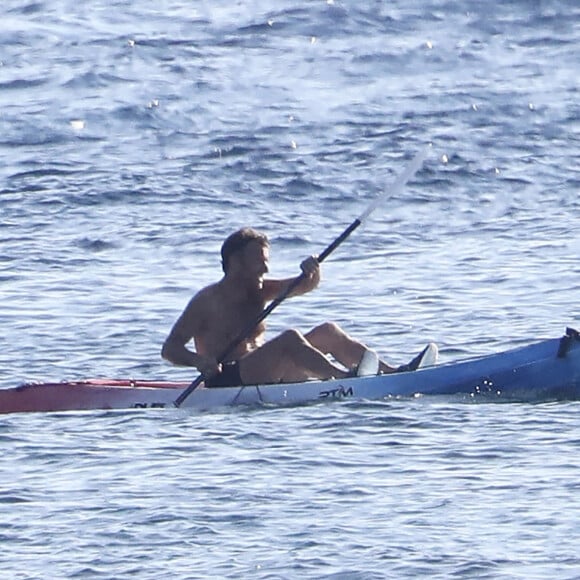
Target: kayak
(541,371)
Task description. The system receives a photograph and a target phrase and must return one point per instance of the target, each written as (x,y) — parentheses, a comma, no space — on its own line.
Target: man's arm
(174,348)
(311,278)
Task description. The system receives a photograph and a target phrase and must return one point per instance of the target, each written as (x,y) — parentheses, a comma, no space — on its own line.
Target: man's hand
(311,269)
(208,366)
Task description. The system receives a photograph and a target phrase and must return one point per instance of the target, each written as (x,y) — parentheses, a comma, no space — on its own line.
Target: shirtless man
(217,315)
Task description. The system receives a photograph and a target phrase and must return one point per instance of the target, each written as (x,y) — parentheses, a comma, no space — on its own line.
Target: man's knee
(292,337)
(328,329)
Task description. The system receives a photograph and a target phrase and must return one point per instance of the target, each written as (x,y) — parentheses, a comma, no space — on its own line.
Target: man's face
(254,260)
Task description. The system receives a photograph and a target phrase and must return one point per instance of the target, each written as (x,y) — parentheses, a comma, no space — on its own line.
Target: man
(217,315)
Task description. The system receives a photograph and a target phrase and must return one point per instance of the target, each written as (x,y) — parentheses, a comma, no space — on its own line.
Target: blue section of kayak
(540,371)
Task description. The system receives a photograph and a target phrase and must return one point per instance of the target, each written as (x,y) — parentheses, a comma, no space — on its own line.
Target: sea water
(136,136)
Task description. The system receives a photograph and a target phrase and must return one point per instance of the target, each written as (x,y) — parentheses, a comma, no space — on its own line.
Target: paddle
(400,182)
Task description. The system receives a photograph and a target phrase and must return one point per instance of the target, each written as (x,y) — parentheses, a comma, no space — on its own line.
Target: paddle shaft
(412,168)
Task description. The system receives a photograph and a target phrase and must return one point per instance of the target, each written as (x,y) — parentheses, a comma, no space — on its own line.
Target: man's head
(239,242)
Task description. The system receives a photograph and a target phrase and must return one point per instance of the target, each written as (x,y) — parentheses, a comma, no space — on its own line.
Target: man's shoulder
(208,290)
(199,308)
(207,294)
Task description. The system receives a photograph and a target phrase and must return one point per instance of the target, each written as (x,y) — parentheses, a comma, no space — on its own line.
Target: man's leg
(285,359)
(329,338)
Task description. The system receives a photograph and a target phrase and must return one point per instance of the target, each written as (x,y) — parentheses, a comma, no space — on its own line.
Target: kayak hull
(545,370)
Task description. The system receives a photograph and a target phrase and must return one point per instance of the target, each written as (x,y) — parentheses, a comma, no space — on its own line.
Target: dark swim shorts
(228,377)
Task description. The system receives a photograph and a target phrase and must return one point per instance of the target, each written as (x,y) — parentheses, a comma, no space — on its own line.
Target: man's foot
(427,357)
(368,364)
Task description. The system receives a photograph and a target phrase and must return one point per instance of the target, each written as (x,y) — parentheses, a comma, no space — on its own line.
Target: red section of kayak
(80,395)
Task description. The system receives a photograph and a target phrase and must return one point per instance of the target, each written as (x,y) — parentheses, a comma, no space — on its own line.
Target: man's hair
(238,241)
